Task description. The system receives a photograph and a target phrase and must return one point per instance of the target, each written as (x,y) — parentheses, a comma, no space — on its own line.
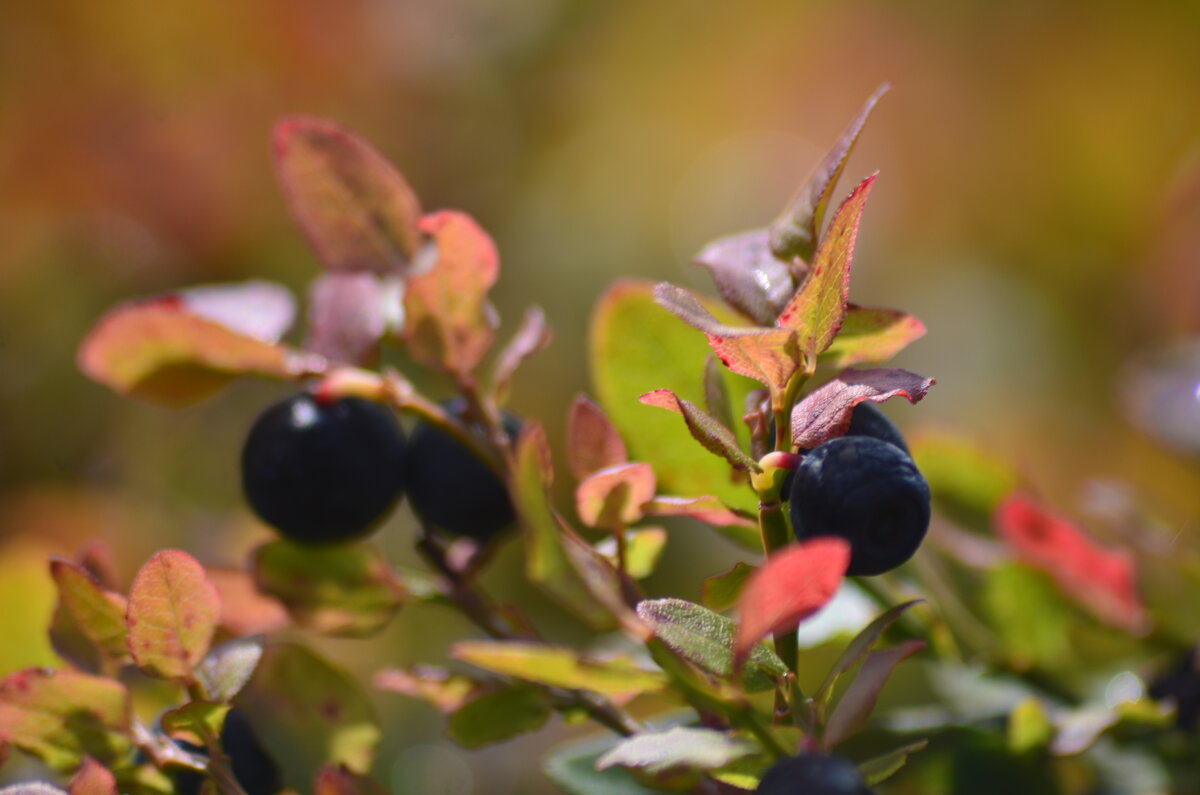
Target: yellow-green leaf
(559,667)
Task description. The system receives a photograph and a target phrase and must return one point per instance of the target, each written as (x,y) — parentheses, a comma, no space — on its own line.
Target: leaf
(817,310)
(855,705)
(721,591)
(859,647)
(559,667)
(1029,727)
(748,276)
(1029,616)
(1102,580)
(335,780)
(172,615)
(713,436)
(643,547)
(157,350)
(244,609)
(871,336)
(794,583)
(796,231)
(593,442)
(444,690)
(93,778)
(614,496)
(967,481)
(677,748)
(258,309)
(228,667)
(706,639)
(348,315)
(306,711)
(61,716)
(533,335)
(498,716)
(31,788)
(196,722)
(357,212)
(572,767)
(709,510)
(826,412)
(447,321)
(716,393)
(879,769)
(347,590)
(99,614)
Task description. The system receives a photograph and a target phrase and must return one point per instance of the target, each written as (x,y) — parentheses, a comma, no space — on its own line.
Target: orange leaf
(173,611)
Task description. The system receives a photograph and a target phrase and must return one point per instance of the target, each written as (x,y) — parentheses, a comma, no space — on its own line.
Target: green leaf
(817,310)
(197,722)
(347,590)
(613,497)
(883,767)
(1029,727)
(307,711)
(228,667)
(796,231)
(593,442)
(172,614)
(678,748)
(871,336)
(624,366)
(712,435)
(559,667)
(61,716)
(643,548)
(706,639)
(855,705)
(498,716)
(721,591)
(99,614)
(1031,618)
(357,212)
(967,481)
(858,648)
(572,766)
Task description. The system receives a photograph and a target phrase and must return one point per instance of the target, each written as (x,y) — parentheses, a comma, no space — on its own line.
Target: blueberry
(323,471)
(450,488)
(866,491)
(1181,685)
(813,774)
(253,768)
(869,420)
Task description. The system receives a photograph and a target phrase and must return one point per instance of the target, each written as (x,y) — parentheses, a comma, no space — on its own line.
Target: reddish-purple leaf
(796,231)
(614,496)
(858,648)
(871,336)
(532,336)
(173,610)
(1104,580)
(593,442)
(356,210)
(347,316)
(258,309)
(748,276)
(714,436)
(817,310)
(794,583)
(709,510)
(99,614)
(448,323)
(158,350)
(825,413)
(855,705)
(92,778)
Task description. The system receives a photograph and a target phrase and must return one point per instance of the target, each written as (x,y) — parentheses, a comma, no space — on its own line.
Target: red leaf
(347,316)
(614,496)
(173,610)
(244,609)
(357,212)
(794,583)
(709,510)
(825,413)
(593,442)
(448,323)
(714,436)
(748,276)
(93,778)
(871,336)
(1104,580)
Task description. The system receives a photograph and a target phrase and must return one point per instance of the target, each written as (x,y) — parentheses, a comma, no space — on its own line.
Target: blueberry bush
(754,413)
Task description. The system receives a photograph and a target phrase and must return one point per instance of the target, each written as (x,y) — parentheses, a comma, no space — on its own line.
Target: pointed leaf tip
(826,412)
(712,435)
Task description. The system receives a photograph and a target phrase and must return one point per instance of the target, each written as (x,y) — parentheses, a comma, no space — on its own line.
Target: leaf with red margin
(794,583)
(826,413)
(244,609)
(99,614)
(712,435)
(92,778)
(796,231)
(614,496)
(709,510)
(445,690)
(532,336)
(1103,580)
(448,323)
(855,705)
(61,716)
(871,336)
(347,316)
(259,309)
(768,355)
(817,310)
(160,351)
(356,210)
(593,442)
(748,276)
(337,780)
(173,610)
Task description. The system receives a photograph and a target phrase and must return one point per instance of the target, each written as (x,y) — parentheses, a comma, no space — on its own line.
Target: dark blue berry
(866,491)
(869,420)
(252,766)
(323,471)
(813,774)
(450,488)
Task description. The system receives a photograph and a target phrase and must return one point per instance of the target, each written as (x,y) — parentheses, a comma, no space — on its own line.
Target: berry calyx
(813,774)
(323,471)
(866,491)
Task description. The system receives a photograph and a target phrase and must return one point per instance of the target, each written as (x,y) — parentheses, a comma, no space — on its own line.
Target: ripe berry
(813,774)
(450,488)
(1181,685)
(253,768)
(869,420)
(323,471)
(866,491)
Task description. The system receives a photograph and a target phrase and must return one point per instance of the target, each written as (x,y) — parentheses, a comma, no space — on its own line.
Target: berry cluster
(328,471)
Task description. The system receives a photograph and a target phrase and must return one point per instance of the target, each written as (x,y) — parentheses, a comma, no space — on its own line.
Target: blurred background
(1038,208)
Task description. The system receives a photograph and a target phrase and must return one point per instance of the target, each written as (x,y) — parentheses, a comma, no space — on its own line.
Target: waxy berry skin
(323,471)
(252,766)
(869,420)
(813,774)
(453,490)
(866,491)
